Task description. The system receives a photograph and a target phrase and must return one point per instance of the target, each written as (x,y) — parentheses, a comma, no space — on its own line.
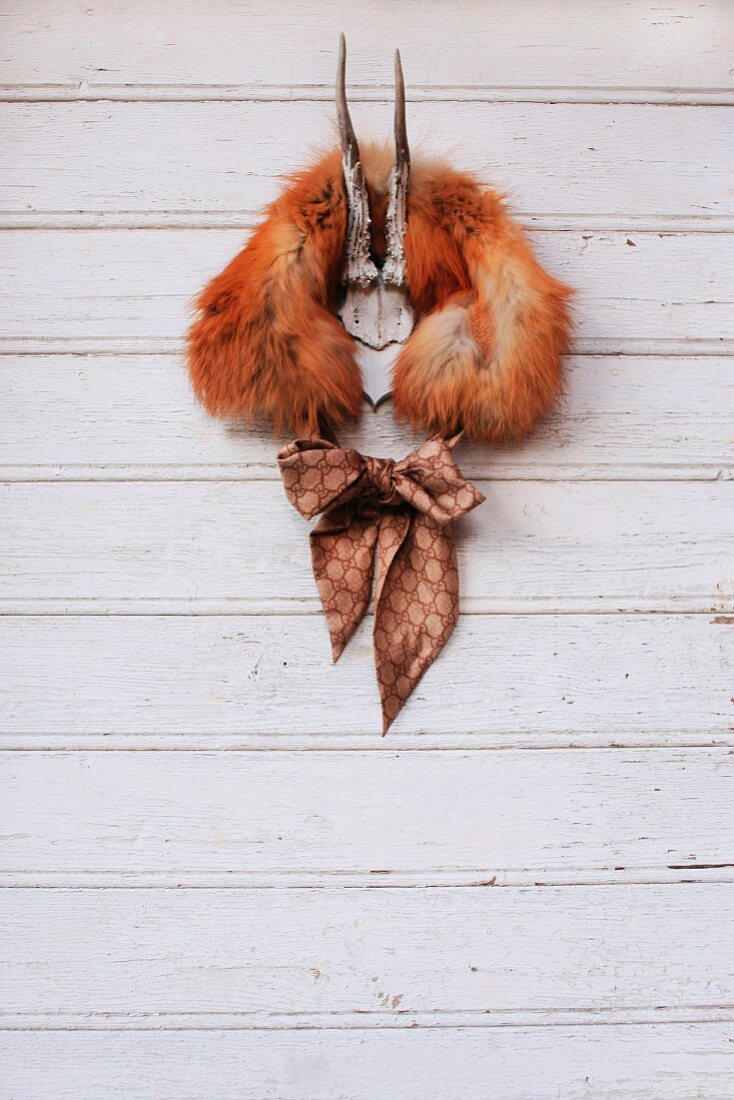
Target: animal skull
(375,310)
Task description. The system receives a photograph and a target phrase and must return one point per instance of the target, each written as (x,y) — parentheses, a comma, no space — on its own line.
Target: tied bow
(392,519)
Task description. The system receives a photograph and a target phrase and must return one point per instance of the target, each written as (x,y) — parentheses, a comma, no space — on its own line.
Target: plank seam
(564,741)
(39,221)
(720,874)
(591,347)
(115,472)
(653,1015)
(129,474)
(84,92)
(310,607)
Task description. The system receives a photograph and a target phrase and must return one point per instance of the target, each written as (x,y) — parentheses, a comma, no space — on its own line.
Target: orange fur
(487,361)
(266,341)
(491,323)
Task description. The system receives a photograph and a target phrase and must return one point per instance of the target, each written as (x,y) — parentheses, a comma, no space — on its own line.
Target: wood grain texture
(216,879)
(99,285)
(510,679)
(93,417)
(553,44)
(187,815)
(648,1062)
(555,160)
(533,545)
(366,951)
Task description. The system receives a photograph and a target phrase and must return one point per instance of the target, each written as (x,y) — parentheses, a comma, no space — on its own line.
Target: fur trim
(491,323)
(266,341)
(486,358)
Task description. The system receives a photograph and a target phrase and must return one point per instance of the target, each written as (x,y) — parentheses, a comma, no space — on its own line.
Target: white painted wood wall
(216,880)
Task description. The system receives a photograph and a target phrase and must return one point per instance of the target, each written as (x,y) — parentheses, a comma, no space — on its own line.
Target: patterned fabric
(392,519)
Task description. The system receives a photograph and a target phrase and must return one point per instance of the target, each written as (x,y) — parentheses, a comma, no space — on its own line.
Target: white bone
(380,319)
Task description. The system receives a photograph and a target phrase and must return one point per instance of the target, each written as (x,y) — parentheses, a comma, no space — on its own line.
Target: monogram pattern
(390,521)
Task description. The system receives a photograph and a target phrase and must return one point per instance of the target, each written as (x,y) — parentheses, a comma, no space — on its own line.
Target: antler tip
(347,136)
(402,150)
(341,67)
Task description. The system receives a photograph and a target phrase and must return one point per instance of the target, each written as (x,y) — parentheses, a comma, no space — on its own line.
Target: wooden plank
(93,417)
(190,814)
(645,1062)
(533,544)
(116,285)
(507,678)
(64,416)
(487,966)
(367,951)
(558,160)
(551,44)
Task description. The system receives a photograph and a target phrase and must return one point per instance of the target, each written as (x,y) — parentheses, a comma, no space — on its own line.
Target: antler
(350,147)
(359,267)
(397,211)
(375,309)
(402,149)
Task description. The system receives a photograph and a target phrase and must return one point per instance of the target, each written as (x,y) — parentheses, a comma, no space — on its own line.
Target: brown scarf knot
(397,514)
(378,481)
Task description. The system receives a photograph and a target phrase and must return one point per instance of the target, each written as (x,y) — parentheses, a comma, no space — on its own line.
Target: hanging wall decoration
(375,276)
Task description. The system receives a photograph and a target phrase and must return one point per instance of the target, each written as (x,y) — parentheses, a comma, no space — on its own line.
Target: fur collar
(491,324)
